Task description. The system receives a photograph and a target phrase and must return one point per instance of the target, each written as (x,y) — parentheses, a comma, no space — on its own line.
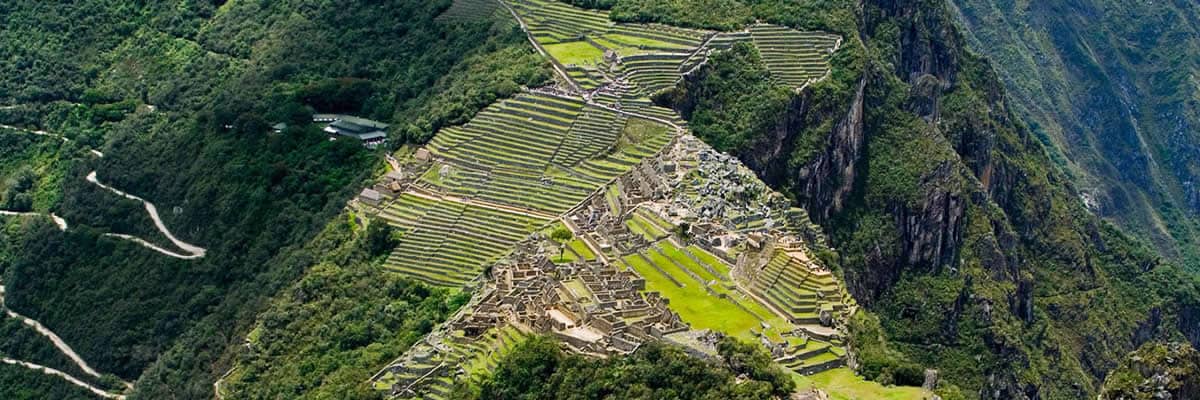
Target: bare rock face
(825,182)
(931,380)
(932,233)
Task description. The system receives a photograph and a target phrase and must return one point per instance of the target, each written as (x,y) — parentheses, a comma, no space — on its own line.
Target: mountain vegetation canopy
(960,193)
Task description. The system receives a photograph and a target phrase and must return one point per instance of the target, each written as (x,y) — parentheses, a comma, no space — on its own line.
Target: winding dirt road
(195,251)
(62,223)
(51,371)
(54,338)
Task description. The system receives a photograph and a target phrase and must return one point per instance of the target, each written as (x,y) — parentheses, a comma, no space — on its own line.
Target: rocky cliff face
(1156,371)
(952,223)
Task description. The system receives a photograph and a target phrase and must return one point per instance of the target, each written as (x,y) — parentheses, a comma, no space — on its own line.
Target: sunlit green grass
(693,304)
(843,384)
(577,53)
(646,42)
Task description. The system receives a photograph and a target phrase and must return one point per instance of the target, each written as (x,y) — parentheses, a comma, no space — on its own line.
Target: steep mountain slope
(1113,88)
(972,253)
(179,98)
(954,226)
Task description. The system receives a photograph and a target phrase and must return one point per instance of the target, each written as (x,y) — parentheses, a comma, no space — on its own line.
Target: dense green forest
(538,369)
(179,97)
(21,383)
(326,334)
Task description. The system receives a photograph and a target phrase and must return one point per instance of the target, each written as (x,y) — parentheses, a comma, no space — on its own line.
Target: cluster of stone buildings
(594,307)
(591,306)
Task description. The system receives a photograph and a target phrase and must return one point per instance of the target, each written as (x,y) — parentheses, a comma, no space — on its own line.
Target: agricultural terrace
(432,378)
(799,292)
(793,57)
(655,56)
(700,290)
(578,39)
(447,243)
(540,152)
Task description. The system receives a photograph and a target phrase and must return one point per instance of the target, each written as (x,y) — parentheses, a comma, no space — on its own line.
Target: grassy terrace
(577,38)
(793,57)
(504,156)
(518,133)
(842,384)
(643,106)
(639,139)
(689,298)
(644,223)
(552,21)
(575,53)
(789,285)
(540,152)
(472,355)
(710,269)
(656,71)
(447,243)
(593,133)
(654,56)
(700,289)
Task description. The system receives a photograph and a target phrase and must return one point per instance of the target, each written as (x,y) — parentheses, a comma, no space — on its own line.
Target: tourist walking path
(193,251)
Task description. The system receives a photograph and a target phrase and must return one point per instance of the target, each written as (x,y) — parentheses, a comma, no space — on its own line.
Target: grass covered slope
(1156,370)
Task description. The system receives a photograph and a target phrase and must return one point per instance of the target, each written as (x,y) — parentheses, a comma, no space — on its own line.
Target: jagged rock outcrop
(953,223)
(1156,371)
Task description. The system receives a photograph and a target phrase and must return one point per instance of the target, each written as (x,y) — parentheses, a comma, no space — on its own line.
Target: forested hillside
(1113,89)
(539,369)
(956,227)
(179,99)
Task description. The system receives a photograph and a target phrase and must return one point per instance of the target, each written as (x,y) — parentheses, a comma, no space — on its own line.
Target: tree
(755,362)
(561,235)
(379,239)
(684,231)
